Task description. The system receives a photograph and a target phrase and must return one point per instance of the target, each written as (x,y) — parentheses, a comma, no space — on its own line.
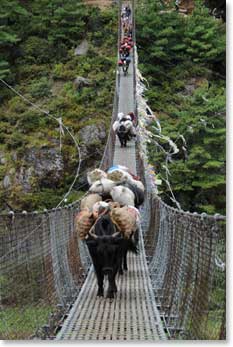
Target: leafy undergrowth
(43,67)
(22,322)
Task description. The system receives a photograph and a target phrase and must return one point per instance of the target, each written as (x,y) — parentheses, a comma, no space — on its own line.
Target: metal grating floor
(132,315)
(126,156)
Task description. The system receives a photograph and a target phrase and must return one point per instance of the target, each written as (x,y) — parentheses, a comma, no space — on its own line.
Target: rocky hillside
(62,57)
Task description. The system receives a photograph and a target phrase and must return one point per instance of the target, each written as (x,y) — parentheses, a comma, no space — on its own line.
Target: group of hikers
(125,125)
(126,43)
(126,20)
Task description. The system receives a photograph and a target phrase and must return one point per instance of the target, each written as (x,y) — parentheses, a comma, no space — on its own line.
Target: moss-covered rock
(92,134)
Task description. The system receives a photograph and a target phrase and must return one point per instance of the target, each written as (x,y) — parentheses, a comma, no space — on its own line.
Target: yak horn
(116,234)
(91,233)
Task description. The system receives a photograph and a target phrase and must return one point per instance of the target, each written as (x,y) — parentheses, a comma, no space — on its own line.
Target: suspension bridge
(46,274)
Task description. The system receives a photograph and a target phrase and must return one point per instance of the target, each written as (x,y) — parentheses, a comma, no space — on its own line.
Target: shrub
(60,71)
(29,121)
(37,50)
(40,88)
(15,140)
(32,71)
(16,104)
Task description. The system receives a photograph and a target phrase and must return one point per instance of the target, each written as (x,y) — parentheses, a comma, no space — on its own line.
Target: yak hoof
(110,295)
(100,292)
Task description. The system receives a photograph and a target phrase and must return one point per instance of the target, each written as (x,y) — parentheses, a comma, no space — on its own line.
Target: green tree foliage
(205,38)
(38,60)
(12,15)
(183,59)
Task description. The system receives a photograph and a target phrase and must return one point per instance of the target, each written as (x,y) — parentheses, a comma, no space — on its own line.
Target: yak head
(107,244)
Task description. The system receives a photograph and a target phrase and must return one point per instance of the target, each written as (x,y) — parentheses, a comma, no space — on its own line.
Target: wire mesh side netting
(43,265)
(41,272)
(186,256)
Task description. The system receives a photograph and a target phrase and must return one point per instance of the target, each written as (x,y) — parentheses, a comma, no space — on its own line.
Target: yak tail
(133,247)
(133,243)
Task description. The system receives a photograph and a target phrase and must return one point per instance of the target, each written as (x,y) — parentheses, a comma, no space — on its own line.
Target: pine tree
(174,50)
(11,16)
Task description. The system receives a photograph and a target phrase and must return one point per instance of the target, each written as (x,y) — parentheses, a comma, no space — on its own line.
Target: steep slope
(62,59)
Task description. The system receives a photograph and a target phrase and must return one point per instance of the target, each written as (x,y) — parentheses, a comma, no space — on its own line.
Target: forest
(61,56)
(183,60)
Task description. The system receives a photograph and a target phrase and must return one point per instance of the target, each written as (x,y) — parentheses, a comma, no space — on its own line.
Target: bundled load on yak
(109,221)
(116,188)
(126,218)
(124,127)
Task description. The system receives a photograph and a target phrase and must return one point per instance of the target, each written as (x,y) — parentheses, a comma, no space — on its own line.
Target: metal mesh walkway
(126,155)
(133,314)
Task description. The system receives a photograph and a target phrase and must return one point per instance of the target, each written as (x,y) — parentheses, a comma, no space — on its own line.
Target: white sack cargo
(103,186)
(123,195)
(136,213)
(118,175)
(95,175)
(89,200)
(125,218)
(118,167)
(115,126)
(120,116)
(128,124)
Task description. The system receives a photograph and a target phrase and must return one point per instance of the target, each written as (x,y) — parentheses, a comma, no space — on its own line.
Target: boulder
(82,48)
(81,82)
(47,164)
(93,133)
(193,84)
(6,182)
(23,178)
(2,158)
